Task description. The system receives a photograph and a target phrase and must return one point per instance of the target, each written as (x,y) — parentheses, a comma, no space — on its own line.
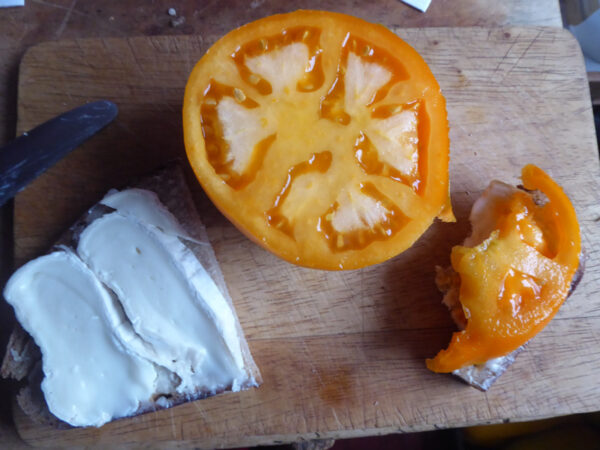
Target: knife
(31,154)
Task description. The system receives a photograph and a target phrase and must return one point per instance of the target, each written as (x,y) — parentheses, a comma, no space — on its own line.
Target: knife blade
(28,156)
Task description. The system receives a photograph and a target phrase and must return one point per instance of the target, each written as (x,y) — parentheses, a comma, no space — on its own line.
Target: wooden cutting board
(342,354)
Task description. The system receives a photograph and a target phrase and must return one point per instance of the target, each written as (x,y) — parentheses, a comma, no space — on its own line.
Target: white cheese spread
(485,212)
(145,207)
(169,299)
(165,329)
(89,377)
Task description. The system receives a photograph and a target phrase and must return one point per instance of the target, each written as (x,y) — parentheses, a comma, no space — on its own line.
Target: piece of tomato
(515,270)
(322,137)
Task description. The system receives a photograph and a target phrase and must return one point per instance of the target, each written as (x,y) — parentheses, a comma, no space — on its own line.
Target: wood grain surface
(43,20)
(342,354)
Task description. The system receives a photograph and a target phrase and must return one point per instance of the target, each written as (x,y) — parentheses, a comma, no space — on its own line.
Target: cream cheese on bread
(485,212)
(488,217)
(171,301)
(128,291)
(145,207)
(89,376)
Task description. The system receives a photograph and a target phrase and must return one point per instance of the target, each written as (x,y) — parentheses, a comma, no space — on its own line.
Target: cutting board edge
(271,439)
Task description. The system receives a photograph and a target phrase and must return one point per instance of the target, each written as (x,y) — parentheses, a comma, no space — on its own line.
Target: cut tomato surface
(515,270)
(322,137)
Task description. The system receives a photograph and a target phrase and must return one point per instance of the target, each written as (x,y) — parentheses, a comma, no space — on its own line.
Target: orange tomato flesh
(513,283)
(322,137)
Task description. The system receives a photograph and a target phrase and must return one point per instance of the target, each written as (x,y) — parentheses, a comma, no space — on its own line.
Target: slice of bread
(482,376)
(22,360)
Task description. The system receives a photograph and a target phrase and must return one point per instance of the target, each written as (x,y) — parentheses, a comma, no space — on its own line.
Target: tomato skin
(513,283)
(248,206)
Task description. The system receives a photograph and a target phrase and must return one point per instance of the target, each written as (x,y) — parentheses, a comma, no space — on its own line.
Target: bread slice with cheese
(130,311)
(516,245)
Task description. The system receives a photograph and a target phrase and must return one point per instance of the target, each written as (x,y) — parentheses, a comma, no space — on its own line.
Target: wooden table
(40,21)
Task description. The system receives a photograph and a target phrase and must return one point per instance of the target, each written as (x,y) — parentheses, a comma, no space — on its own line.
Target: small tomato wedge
(322,137)
(515,269)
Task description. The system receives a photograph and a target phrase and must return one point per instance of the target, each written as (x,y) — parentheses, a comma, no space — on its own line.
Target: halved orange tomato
(514,271)
(322,137)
